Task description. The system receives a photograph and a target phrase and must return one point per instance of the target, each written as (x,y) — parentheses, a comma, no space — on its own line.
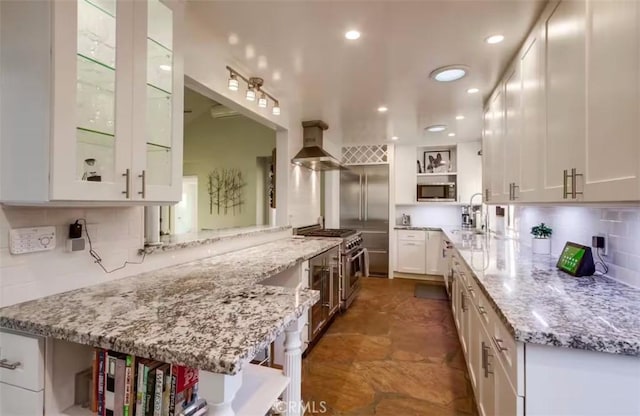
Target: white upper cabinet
(565,90)
(575,135)
(497,191)
(487,171)
(469,171)
(405,174)
(512,131)
(96,89)
(532,129)
(612,167)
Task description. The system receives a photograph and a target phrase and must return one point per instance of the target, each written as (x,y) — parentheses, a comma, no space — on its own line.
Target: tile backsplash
(430,216)
(117,234)
(620,226)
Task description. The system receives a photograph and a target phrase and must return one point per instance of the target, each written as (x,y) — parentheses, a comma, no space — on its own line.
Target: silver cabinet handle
(143,176)
(565,176)
(366,197)
(574,175)
(486,194)
(482,310)
(510,191)
(9,365)
(514,191)
(360,200)
(485,360)
(498,343)
(127,189)
(463,301)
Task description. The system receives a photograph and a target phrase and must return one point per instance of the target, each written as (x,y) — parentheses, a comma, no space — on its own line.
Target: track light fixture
(254,89)
(233,82)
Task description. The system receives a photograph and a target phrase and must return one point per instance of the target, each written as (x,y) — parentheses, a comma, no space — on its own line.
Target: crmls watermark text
(311,407)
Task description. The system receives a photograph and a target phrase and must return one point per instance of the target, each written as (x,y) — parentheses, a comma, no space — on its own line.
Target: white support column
(219,390)
(293,368)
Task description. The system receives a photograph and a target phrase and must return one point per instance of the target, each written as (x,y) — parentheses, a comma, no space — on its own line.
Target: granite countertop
(209,314)
(541,305)
(176,242)
(417,228)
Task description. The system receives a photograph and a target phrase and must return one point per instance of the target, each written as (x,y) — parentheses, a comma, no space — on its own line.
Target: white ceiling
(343,82)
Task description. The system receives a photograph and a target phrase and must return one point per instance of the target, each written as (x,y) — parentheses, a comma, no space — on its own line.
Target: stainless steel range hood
(313,156)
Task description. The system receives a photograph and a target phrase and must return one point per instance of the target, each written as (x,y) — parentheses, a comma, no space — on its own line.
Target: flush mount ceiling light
(165,67)
(254,90)
(451,134)
(436,128)
(449,73)
(352,35)
(394,138)
(382,109)
(493,39)
(460,117)
(473,90)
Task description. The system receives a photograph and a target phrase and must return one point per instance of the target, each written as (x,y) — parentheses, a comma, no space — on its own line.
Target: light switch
(32,239)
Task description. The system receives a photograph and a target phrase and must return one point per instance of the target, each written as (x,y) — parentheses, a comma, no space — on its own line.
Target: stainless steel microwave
(440,192)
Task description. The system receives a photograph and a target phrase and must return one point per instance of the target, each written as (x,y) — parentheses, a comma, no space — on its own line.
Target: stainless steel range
(353,259)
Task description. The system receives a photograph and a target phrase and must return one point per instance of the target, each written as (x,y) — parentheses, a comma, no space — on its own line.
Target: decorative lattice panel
(372,154)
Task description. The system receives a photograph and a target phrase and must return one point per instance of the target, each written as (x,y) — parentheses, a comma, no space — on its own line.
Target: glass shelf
(159,93)
(159,66)
(95,98)
(97,31)
(158,164)
(159,113)
(97,146)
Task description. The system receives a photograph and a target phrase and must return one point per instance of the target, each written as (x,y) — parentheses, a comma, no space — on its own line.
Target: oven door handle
(351,257)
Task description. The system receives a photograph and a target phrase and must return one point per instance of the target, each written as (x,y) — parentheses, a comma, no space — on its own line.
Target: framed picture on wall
(437,161)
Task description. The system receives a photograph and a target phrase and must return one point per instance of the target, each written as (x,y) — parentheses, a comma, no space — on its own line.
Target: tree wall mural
(226,191)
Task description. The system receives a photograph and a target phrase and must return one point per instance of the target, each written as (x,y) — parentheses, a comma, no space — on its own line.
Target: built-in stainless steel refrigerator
(364,206)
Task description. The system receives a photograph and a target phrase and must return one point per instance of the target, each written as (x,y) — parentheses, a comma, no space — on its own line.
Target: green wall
(231,143)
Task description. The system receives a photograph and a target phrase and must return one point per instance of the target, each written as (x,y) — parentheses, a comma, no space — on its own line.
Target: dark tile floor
(389,354)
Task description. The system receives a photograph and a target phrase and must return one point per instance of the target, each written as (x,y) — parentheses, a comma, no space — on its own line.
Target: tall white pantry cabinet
(92,102)
(565,118)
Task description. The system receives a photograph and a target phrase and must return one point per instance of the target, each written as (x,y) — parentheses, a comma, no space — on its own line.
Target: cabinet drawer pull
(498,343)
(485,360)
(514,191)
(482,310)
(9,365)
(143,176)
(127,189)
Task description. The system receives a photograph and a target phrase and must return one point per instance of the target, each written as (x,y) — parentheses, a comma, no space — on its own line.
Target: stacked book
(126,385)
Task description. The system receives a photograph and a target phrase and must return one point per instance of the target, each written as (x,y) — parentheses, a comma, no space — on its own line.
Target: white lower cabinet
(419,252)
(411,257)
(16,401)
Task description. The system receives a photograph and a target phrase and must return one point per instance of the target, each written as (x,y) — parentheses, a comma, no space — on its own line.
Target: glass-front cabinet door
(158,100)
(92,109)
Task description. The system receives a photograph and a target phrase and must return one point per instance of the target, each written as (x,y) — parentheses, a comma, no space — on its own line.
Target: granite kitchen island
(211,314)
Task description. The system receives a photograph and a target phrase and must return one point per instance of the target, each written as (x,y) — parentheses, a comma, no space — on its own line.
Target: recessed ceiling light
(352,35)
(449,73)
(472,90)
(460,117)
(494,39)
(451,134)
(165,67)
(382,109)
(394,138)
(436,128)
